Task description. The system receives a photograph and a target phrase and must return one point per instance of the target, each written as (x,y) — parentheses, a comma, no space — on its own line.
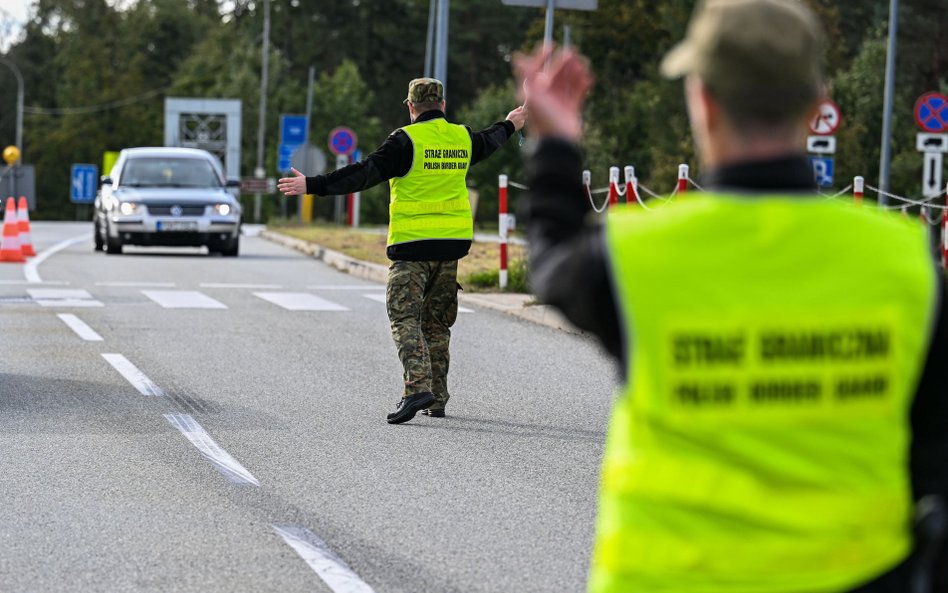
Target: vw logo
(176,211)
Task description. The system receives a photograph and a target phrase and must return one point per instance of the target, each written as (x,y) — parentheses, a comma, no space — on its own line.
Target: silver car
(169,197)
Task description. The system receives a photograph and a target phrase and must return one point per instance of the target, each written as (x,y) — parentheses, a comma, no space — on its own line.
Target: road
(214,440)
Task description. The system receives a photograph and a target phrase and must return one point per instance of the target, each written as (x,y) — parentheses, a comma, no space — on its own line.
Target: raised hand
(556,92)
(293,186)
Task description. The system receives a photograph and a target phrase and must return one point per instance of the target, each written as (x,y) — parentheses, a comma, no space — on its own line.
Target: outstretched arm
(485,142)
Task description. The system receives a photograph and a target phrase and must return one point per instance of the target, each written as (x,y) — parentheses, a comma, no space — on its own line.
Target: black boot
(409,406)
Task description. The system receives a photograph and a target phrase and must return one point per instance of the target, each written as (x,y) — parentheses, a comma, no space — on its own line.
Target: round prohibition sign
(342,140)
(931,112)
(827,120)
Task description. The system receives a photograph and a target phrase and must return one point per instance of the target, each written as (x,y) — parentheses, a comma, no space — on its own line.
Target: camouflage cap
(753,51)
(425,90)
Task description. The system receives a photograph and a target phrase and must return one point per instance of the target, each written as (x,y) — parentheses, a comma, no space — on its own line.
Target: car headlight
(223,209)
(129,208)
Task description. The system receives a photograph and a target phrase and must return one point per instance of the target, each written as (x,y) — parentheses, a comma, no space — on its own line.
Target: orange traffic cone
(23,222)
(10,242)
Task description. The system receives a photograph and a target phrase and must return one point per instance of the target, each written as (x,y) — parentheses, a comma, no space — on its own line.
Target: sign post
(342,143)
(931,116)
(550,5)
(823,143)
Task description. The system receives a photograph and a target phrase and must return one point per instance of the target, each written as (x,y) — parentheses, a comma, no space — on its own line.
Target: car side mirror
(233,183)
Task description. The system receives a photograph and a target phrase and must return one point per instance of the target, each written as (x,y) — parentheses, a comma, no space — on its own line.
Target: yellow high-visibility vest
(761,444)
(431,202)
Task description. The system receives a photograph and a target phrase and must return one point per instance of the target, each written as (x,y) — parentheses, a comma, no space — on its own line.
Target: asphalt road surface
(173,421)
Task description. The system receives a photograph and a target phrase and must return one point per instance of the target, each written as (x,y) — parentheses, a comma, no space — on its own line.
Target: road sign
(821,144)
(342,140)
(931,112)
(564,4)
(254,185)
(356,155)
(931,175)
(293,129)
(285,157)
(310,163)
(828,119)
(931,142)
(822,170)
(85,182)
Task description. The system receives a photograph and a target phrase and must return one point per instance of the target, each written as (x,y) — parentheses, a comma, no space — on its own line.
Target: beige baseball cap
(758,55)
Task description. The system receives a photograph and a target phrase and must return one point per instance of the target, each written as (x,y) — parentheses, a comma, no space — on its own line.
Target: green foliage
(517,278)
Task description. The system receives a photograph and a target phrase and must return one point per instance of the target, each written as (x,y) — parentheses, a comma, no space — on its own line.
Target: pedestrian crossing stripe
(381,299)
(300,301)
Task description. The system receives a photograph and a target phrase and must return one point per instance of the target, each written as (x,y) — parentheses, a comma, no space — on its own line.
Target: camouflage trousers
(422,301)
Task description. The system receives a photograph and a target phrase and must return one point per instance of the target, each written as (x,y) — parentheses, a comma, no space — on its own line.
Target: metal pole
(260,172)
(306,143)
(548,28)
(429,42)
(441,49)
(566,36)
(886,152)
(19,103)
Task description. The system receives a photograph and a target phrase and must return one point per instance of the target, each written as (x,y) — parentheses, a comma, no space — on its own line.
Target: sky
(12,16)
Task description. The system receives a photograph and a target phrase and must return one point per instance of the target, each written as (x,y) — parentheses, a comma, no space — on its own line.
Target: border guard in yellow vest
(783,411)
(430,229)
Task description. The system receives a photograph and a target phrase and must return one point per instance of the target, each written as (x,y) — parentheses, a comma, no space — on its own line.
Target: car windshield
(169,172)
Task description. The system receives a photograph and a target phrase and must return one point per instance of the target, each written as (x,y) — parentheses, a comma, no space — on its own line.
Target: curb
(511,304)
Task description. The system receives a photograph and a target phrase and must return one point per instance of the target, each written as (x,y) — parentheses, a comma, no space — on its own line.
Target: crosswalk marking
(239,285)
(63,297)
(381,298)
(300,301)
(137,284)
(183,299)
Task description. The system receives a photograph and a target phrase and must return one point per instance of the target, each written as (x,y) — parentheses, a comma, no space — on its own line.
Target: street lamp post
(259,171)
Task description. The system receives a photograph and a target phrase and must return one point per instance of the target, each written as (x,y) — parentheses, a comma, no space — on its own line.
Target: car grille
(185,210)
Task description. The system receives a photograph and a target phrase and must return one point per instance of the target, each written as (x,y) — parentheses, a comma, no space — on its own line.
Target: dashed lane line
(138,379)
(239,285)
(183,299)
(79,326)
(325,563)
(300,301)
(381,299)
(138,284)
(219,458)
(30,270)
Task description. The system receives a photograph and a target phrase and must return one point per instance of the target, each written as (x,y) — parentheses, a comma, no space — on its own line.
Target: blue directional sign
(822,170)
(342,140)
(85,182)
(294,130)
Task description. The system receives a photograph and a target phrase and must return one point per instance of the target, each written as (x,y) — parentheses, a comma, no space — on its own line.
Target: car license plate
(177,225)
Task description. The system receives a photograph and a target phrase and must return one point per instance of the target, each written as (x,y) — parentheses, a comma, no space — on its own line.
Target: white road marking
(63,297)
(300,301)
(183,299)
(221,459)
(226,285)
(22,282)
(138,284)
(381,298)
(325,563)
(29,268)
(79,326)
(345,287)
(139,381)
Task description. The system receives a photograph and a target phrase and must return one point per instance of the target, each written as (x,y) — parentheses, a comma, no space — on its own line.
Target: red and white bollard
(631,193)
(944,232)
(613,186)
(502,226)
(859,184)
(682,178)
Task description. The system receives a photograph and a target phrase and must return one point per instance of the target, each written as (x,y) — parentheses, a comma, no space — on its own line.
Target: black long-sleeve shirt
(569,270)
(394,159)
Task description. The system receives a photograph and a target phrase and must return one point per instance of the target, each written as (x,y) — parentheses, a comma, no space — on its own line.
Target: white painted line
(63,297)
(381,298)
(226,285)
(300,301)
(29,268)
(325,563)
(22,282)
(139,381)
(183,299)
(345,287)
(79,326)
(221,459)
(138,284)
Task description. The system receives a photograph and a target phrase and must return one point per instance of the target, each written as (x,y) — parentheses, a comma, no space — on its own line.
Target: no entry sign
(827,120)
(931,112)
